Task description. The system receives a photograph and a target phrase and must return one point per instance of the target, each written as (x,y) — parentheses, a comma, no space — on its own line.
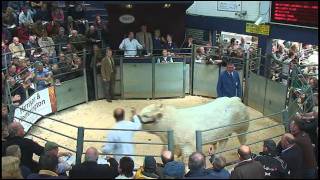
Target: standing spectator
(48,168)
(286,68)
(170,45)
(218,163)
(201,55)
(274,167)
(108,75)
(10,168)
(166,157)
(92,36)
(122,136)
(23,33)
(229,83)
(43,14)
(174,170)
(47,45)
(130,45)
(91,169)
(42,77)
(52,149)
(145,39)
(6,55)
(165,58)
(53,28)
(126,166)
(25,17)
(9,18)
(157,42)
(148,171)
(303,140)
(27,146)
(17,48)
(292,154)
(188,45)
(247,168)
(102,29)
(196,166)
(14,150)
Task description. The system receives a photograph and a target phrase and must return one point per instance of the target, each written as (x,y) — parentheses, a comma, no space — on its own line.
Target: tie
(145,40)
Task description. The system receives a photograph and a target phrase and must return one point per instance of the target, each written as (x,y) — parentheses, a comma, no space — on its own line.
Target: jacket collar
(47,172)
(244,162)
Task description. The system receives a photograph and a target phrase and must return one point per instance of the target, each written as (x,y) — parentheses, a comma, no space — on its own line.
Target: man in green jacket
(108,74)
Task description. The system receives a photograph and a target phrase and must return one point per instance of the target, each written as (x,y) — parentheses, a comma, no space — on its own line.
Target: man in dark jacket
(303,140)
(166,156)
(91,169)
(27,146)
(292,155)
(229,83)
(275,168)
(247,168)
(218,171)
(196,165)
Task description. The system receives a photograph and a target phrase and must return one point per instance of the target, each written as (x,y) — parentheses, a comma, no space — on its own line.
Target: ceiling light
(129,6)
(167,5)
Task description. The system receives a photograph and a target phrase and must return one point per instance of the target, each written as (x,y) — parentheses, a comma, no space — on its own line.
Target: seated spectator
(37,28)
(201,55)
(31,45)
(92,36)
(157,42)
(166,156)
(126,166)
(27,84)
(218,163)
(196,166)
(274,167)
(130,45)
(27,146)
(291,153)
(232,46)
(188,45)
(53,28)
(91,169)
(165,58)
(36,56)
(303,140)
(6,55)
(43,14)
(64,66)
(17,48)
(174,170)
(9,18)
(77,63)
(6,35)
(48,168)
(247,168)
(52,149)
(170,45)
(23,34)
(310,124)
(15,151)
(148,171)
(77,40)
(10,168)
(25,17)
(61,39)
(47,45)
(42,77)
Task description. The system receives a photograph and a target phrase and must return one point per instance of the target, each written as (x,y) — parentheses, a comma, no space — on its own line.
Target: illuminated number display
(303,13)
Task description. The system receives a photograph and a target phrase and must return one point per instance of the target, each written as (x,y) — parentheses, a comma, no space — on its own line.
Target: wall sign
(231,6)
(260,29)
(126,19)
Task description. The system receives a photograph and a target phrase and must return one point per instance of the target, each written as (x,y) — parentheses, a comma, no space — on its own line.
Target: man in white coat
(130,45)
(122,136)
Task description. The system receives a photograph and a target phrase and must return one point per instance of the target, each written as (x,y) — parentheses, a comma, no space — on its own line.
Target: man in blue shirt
(229,83)
(42,77)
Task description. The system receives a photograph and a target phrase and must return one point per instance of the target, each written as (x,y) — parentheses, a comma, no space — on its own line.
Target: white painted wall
(253,8)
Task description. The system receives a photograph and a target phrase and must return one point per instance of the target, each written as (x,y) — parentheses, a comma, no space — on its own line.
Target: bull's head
(151,114)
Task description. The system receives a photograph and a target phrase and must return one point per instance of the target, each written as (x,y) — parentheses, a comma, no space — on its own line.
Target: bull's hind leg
(223,143)
(242,138)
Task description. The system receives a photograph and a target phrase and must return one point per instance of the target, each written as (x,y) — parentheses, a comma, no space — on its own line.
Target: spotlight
(128,6)
(167,5)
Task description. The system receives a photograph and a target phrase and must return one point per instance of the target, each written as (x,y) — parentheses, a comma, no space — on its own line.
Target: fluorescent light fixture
(258,21)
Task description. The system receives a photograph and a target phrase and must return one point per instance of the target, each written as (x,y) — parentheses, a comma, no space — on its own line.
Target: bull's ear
(159,115)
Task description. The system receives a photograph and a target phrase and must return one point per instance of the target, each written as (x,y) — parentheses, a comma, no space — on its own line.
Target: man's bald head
(167,156)
(118,114)
(92,154)
(244,152)
(16,129)
(196,161)
(287,140)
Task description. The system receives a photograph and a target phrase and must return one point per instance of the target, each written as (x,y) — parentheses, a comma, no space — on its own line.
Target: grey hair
(13,129)
(219,162)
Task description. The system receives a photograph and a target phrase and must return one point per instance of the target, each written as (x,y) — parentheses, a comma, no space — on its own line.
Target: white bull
(185,121)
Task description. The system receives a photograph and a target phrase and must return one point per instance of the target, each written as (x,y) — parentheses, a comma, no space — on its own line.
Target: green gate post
(85,75)
(79,144)
(285,120)
(170,140)
(199,141)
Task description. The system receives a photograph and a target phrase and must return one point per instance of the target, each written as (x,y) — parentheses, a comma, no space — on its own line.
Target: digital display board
(302,13)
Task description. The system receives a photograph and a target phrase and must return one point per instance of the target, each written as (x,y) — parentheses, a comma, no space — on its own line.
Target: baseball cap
(174,169)
(270,144)
(150,164)
(50,145)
